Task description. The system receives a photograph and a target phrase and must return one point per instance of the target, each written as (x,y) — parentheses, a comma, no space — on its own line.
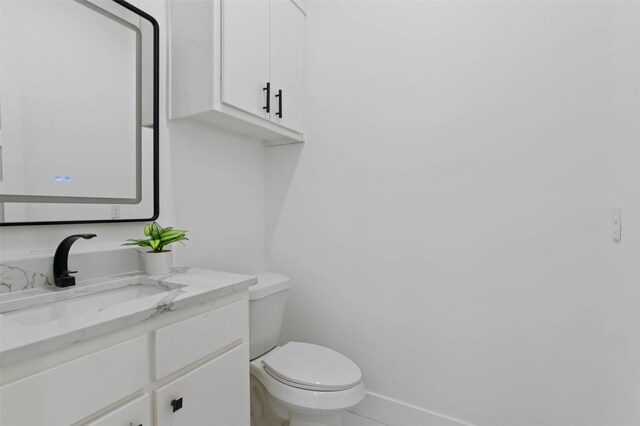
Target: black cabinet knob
(176,404)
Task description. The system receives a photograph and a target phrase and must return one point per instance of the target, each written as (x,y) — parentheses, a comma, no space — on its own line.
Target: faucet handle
(66,281)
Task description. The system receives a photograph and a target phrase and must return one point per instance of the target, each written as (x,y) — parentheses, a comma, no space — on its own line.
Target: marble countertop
(182,288)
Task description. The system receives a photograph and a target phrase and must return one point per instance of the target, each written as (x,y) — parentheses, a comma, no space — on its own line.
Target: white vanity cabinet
(239,65)
(187,367)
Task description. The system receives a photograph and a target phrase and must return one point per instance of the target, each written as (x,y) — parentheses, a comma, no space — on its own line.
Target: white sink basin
(88,302)
(51,305)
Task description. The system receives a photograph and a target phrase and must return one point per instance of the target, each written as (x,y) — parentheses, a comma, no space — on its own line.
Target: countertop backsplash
(36,271)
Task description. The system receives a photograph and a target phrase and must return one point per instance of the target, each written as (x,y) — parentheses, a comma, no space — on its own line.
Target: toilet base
(262,411)
(268,411)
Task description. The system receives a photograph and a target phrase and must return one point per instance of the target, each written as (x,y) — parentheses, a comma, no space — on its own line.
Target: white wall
(622,289)
(444,224)
(218,185)
(212,183)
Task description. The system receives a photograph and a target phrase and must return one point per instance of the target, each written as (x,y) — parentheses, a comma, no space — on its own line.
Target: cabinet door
(215,394)
(245,54)
(135,413)
(90,384)
(287,64)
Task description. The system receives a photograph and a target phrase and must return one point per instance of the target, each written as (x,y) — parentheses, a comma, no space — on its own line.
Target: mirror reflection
(77,134)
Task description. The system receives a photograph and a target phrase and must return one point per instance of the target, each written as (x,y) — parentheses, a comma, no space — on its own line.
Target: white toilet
(297,384)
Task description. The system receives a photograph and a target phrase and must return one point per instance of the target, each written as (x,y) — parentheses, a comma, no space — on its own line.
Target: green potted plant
(158,261)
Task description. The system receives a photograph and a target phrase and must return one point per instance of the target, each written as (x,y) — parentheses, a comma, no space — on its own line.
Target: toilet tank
(267,302)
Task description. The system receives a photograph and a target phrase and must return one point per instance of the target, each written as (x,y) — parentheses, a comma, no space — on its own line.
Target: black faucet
(60,266)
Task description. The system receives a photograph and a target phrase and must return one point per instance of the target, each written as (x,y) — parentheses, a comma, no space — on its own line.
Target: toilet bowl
(306,393)
(297,384)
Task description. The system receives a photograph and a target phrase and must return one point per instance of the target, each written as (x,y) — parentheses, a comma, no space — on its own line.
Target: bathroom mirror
(78,112)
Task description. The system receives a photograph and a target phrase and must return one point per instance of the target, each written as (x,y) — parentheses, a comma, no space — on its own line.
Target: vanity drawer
(135,413)
(180,344)
(70,392)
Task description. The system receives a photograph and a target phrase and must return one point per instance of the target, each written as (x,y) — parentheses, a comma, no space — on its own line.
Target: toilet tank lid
(268,283)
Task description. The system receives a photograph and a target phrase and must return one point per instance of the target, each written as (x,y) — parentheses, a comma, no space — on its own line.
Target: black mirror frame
(156,133)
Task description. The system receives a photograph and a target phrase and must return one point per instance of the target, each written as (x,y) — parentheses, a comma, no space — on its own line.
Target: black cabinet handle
(176,404)
(267,108)
(279,96)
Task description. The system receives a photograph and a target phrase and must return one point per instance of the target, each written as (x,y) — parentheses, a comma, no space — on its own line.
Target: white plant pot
(158,263)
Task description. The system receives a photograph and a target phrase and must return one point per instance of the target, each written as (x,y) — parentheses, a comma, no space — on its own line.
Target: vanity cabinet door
(70,392)
(216,394)
(135,413)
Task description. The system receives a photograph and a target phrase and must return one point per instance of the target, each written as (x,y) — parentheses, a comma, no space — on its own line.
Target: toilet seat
(303,400)
(312,367)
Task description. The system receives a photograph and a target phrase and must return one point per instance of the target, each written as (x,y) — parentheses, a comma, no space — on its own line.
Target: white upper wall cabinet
(239,64)
(245,55)
(287,64)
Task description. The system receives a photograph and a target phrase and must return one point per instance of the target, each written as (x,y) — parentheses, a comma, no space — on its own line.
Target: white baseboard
(350,419)
(378,410)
